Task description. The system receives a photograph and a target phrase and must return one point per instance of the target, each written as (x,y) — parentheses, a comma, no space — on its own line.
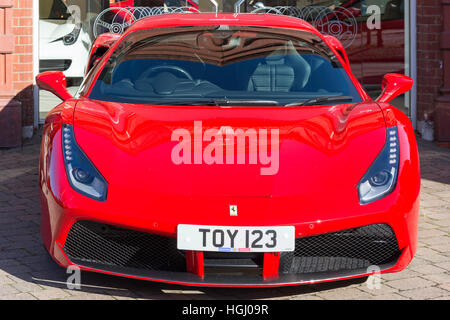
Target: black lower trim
(214,279)
(54,65)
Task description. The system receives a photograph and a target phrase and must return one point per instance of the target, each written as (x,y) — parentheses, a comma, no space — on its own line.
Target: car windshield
(216,65)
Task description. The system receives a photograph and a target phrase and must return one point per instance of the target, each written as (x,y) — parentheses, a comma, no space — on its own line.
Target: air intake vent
(345,250)
(100,244)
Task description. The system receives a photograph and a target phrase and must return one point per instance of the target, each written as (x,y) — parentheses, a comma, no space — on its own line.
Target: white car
(63,44)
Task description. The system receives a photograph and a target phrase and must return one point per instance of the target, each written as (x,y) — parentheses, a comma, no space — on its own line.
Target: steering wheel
(179,70)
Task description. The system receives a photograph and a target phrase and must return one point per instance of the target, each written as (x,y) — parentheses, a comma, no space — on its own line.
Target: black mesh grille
(101,244)
(350,249)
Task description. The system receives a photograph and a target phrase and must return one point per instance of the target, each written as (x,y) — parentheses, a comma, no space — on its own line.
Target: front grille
(346,250)
(100,244)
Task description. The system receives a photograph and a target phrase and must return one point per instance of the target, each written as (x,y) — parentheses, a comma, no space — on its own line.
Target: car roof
(243,19)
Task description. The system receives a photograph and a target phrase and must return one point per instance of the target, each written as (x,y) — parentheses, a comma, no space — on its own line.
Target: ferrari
(227,150)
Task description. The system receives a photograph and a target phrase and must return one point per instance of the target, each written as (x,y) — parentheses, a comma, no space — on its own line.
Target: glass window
(372,52)
(65,37)
(247,65)
(372,32)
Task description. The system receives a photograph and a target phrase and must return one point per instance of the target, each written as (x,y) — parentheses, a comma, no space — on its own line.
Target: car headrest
(275,59)
(289,55)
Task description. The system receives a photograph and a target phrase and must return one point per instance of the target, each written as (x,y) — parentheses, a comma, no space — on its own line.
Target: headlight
(83,176)
(71,37)
(381,178)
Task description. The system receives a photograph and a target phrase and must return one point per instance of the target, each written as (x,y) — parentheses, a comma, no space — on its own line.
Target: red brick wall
(429,57)
(23,57)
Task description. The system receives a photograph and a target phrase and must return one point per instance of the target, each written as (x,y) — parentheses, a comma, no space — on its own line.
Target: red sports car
(227,150)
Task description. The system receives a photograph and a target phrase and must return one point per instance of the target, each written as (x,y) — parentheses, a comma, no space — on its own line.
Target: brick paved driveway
(27,272)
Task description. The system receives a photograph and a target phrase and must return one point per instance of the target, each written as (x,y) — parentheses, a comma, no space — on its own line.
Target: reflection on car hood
(321,149)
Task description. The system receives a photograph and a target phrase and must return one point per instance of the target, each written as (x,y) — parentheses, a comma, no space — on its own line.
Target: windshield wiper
(205,102)
(318,100)
(220,102)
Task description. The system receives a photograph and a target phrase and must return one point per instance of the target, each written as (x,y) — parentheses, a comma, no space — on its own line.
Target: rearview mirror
(54,82)
(394,85)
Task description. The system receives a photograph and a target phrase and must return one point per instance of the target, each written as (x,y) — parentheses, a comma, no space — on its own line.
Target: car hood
(50,30)
(323,152)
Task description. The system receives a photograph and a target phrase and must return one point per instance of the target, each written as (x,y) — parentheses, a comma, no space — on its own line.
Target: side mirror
(337,45)
(55,82)
(394,85)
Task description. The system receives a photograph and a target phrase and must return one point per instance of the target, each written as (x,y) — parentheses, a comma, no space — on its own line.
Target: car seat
(283,70)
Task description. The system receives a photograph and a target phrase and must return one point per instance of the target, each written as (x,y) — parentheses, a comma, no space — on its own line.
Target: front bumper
(345,254)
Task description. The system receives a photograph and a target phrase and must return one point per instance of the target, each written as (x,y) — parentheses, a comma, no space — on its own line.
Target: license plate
(235,239)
